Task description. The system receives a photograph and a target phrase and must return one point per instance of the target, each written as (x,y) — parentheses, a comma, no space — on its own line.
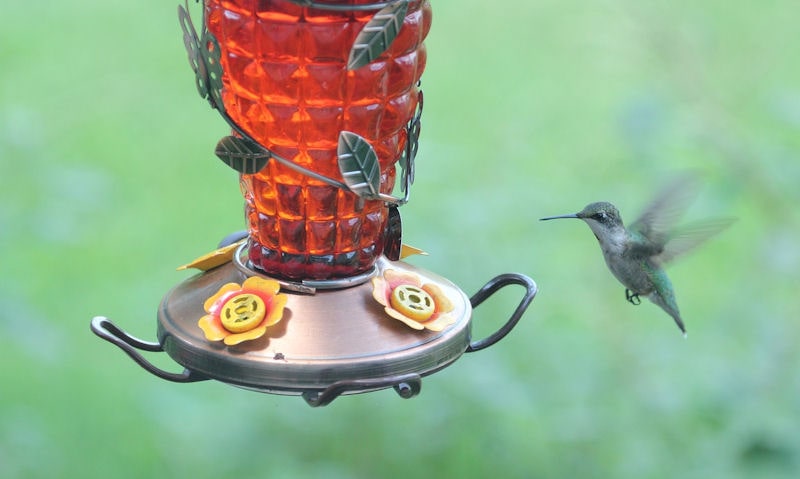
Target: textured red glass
(286,83)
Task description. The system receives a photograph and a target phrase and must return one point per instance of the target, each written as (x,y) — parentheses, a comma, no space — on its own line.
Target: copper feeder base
(330,343)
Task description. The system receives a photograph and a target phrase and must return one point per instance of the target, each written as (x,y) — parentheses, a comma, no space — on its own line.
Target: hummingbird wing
(662,214)
(690,236)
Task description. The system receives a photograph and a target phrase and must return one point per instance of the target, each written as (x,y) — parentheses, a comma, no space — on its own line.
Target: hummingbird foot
(632,297)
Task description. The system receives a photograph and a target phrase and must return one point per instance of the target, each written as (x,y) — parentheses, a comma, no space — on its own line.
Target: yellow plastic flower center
(413,302)
(242,312)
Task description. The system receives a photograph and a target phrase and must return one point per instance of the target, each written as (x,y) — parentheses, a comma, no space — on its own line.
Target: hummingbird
(636,255)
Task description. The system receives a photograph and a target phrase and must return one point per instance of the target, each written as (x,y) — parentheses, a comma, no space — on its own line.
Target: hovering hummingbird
(636,255)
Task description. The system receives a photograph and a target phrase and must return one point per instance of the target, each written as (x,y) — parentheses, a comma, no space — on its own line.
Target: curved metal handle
(406,385)
(489,289)
(109,331)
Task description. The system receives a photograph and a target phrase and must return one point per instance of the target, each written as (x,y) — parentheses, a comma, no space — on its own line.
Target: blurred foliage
(533,108)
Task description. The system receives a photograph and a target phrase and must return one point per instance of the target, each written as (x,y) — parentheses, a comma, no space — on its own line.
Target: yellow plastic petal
(213,330)
(268,286)
(443,303)
(408,321)
(406,251)
(439,322)
(255,333)
(215,258)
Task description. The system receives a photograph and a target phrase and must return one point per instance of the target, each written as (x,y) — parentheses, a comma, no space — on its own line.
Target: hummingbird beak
(574,215)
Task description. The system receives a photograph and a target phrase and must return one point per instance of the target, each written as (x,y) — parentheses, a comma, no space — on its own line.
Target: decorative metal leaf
(394,234)
(377,35)
(242,154)
(204,58)
(359,166)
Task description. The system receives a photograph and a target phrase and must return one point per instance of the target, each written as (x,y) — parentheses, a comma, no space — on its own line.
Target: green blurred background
(533,107)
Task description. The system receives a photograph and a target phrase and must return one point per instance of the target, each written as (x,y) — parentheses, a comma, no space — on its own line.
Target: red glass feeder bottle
(288,82)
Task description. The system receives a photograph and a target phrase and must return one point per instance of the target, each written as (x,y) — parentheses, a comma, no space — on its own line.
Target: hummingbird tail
(671,308)
(680,324)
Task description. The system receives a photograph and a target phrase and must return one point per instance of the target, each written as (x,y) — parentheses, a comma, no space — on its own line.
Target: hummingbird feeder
(324,103)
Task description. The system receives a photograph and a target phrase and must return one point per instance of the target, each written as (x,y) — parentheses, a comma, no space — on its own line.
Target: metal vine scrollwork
(412,145)
(358,162)
(204,59)
(242,152)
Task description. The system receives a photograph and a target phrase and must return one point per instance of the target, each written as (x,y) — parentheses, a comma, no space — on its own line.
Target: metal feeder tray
(332,342)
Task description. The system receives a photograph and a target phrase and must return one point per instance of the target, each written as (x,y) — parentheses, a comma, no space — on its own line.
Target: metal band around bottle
(340,7)
(305,286)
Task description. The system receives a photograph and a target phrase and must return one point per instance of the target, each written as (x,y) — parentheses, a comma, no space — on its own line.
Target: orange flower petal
(225,288)
(396,278)
(380,290)
(275,310)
